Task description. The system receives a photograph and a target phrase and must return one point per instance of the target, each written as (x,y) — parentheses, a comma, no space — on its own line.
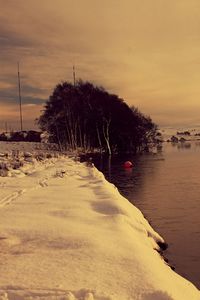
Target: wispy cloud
(146,51)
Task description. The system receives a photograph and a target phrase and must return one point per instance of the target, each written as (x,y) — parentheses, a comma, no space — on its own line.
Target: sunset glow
(147,52)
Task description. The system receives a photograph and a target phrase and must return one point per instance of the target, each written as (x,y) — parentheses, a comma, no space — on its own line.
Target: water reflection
(129,180)
(182,145)
(197,144)
(185,145)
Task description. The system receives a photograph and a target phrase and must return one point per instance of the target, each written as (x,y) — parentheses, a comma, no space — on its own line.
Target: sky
(145,51)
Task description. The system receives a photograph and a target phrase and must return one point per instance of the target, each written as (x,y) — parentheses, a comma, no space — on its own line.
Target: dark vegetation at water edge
(87,117)
(21,136)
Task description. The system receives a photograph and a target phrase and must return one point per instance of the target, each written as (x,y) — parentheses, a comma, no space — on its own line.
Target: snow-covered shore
(67,233)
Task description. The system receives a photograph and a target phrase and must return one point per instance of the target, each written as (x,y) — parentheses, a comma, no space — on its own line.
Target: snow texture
(66,234)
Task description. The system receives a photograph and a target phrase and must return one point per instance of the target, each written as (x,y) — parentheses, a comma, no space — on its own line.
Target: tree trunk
(99,138)
(106,126)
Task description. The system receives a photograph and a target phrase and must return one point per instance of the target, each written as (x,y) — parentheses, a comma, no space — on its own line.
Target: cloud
(148,52)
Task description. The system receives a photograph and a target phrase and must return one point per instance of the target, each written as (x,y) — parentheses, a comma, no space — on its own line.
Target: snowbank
(66,233)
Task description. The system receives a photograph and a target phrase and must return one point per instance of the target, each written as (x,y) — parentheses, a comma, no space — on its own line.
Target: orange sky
(146,51)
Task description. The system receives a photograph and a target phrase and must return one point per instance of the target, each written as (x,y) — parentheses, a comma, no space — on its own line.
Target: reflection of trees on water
(130,181)
(185,145)
(197,144)
(182,145)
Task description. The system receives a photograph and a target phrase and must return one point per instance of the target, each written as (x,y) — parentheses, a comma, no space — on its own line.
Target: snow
(168,132)
(67,233)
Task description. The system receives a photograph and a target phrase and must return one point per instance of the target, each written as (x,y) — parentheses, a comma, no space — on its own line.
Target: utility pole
(20,99)
(74,75)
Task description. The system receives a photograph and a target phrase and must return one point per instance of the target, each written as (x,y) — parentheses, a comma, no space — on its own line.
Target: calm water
(166,188)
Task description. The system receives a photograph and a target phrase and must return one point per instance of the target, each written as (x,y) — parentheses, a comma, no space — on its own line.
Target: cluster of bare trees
(87,117)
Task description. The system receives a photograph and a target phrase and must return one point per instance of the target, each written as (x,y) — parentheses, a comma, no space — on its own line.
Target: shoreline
(77,220)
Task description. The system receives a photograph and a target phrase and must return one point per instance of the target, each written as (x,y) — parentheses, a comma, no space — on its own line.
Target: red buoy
(128,164)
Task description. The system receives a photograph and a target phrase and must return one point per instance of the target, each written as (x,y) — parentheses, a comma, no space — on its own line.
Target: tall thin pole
(20,99)
(74,75)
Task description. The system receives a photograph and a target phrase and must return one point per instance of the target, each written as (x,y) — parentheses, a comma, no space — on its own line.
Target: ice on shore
(66,233)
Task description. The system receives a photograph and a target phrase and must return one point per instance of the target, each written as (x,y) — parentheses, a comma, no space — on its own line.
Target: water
(166,188)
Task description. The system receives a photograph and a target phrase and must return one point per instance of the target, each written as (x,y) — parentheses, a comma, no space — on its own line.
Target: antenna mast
(74,75)
(20,99)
